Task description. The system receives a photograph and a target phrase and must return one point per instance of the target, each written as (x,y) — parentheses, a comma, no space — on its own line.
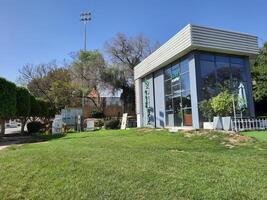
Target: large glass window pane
(184,66)
(175,74)
(177,111)
(223,71)
(167,86)
(176,89)
(186,99)
(185,81)
(206,57)
(167,73)
(208,78)
(168,103)
(238,69)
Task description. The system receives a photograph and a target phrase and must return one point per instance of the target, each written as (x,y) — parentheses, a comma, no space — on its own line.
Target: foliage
(126,53)
(86,72)
(222,103)
(34,127)
(99,123)
(259,75)
(49,82)
(206,109)
(96,114)
(7,98)
(35,109)
(112,124)
(23,102)
(134,164)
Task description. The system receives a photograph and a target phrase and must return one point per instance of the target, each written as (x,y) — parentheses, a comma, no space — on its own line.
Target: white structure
(187,69)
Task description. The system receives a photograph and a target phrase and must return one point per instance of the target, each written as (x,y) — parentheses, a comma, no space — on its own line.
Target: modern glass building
(196,64)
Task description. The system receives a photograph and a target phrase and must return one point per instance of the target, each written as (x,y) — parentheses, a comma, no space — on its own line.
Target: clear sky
(38,31)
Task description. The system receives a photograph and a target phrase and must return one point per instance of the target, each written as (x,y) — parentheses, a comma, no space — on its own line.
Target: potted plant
(207,113)
(222,106)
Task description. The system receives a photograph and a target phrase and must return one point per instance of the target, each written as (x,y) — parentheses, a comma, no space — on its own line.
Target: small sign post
(124,121)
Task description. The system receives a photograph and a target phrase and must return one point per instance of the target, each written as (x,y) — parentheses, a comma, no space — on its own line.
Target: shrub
(112,124)
(206,109)
(34,127)
(99,123)
(222,104)
(96,114)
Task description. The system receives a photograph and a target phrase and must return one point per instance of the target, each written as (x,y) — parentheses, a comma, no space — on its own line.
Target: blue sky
(38,31)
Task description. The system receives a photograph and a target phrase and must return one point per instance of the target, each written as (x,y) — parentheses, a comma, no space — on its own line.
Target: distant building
(189,68)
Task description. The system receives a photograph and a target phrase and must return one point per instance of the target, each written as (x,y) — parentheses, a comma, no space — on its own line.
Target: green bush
(99,123)
(96,114)
(206,109)
(34,127)
(112,124)
(222,104)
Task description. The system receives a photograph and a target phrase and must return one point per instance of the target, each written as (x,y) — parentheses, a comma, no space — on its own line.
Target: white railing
(249,124)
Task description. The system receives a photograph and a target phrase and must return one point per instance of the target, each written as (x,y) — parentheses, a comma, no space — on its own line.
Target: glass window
(167,73)
(206,57)
(223,71)
(208,78)
(167,87)
(185,81)
(175,74)
(168,103)
(186,99)
(184,66)
(169,118)
(176,90)
(238,69)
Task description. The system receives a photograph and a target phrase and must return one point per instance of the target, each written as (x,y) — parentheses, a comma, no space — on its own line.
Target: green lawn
(134,164)
(259,135)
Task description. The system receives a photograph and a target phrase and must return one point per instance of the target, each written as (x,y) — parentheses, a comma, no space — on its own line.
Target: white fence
(249,124)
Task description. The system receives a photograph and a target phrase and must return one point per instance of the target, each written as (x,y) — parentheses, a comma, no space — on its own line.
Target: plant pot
(217,123)
(226,121)
(208,125)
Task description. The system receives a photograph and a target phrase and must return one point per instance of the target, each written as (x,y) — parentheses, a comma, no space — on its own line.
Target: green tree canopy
(23,102)
(7,101)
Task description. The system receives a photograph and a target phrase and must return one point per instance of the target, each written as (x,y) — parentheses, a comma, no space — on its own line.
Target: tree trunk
(23,122)
(2,124)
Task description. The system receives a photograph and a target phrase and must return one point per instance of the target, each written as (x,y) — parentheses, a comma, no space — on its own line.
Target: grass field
(259,135)
(134,164)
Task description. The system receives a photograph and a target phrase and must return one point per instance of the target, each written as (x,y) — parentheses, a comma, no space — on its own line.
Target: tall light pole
(85,17)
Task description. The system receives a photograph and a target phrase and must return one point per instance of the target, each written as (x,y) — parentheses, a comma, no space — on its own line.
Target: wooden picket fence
(248,124)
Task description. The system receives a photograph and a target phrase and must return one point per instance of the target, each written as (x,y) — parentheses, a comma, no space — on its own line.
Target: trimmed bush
(34,127)
(96,114)
(112,124)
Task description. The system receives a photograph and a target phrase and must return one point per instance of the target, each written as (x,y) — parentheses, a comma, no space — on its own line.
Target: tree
(126,53)
(7,102)
(86,69)
(206,109)
(23,106)
(222,104)
(259,77)
(49,82)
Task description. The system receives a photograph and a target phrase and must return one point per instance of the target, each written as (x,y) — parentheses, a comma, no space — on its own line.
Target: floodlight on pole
(85,17)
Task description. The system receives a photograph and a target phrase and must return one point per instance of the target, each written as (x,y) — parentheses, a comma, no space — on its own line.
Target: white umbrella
(242,98)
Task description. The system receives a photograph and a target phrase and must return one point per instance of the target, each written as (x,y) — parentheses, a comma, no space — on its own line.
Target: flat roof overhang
(192,38)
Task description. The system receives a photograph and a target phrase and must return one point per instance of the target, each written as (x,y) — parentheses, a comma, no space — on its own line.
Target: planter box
(226,121)
(208,125)
(217,123)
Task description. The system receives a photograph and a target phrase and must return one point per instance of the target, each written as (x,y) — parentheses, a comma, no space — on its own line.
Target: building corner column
(138,102)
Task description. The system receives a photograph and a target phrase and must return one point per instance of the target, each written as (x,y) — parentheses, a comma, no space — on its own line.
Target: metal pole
(234,113)
(85,39)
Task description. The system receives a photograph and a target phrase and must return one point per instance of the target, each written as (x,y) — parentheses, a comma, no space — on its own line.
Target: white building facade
(190,67)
